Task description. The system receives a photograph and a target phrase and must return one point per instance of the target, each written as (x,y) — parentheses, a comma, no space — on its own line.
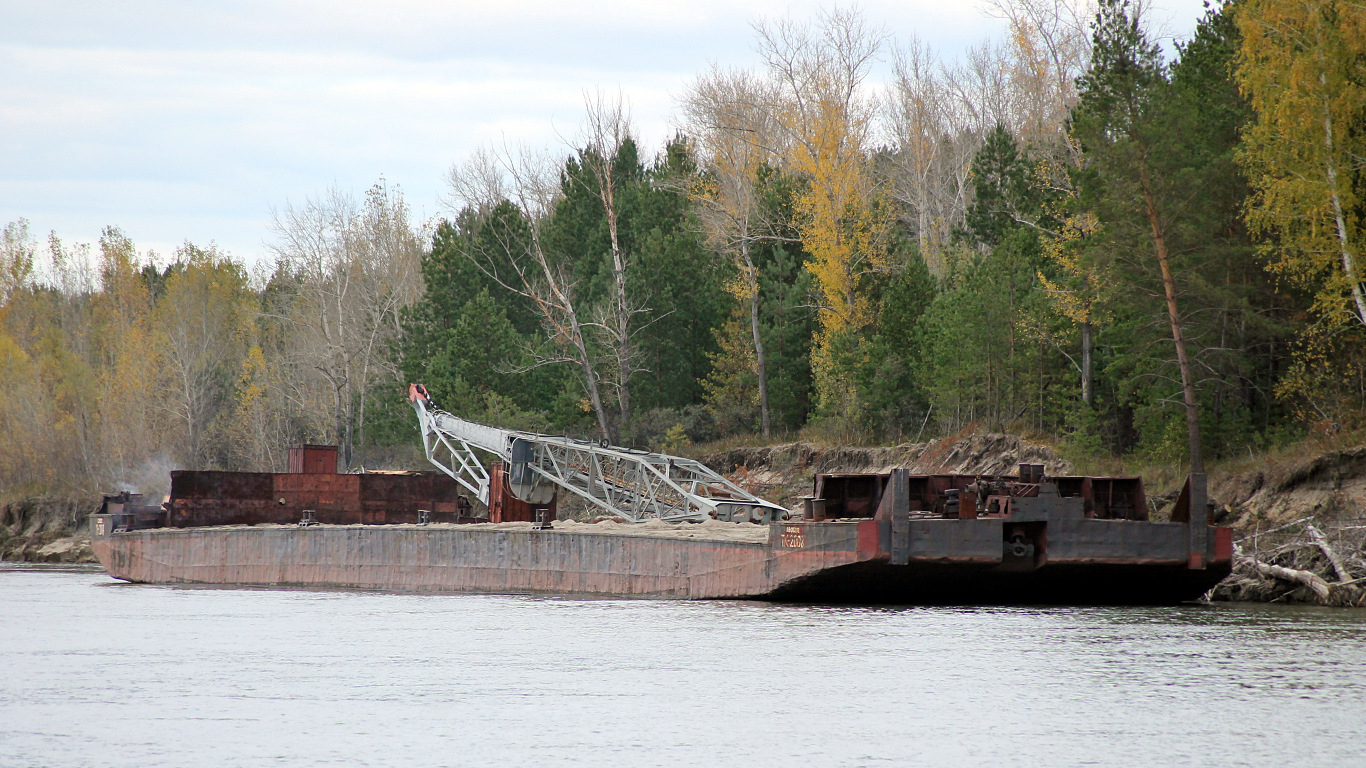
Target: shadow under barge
(889,538)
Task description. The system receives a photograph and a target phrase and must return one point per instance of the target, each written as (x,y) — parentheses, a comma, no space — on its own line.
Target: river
(95,672)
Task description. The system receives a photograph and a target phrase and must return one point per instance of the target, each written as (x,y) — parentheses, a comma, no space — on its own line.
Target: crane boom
(633,485)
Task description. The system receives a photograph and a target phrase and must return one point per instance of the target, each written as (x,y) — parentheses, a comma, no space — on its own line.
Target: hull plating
(842,563)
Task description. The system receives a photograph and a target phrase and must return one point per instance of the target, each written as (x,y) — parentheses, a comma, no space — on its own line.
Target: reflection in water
(98,673)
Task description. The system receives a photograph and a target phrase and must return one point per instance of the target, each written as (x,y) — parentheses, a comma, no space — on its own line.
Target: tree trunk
(364,392)
(341,423)
(623,314)
(760,365)
(348,449)
(1088,344)
(1321,541)
(1311,580)
(562,303)
(1348,262)
(621,334)
(1174,317)
(608,129)
(590,379)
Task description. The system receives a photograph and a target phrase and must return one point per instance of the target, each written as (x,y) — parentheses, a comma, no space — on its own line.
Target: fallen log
(1308,579)
(1321,541)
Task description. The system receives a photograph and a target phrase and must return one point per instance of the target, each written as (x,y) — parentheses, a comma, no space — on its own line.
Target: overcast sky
(189,120)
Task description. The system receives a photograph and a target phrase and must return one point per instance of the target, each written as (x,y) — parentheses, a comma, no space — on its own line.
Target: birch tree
(1302,66)
(127,358)
(726,114)
(25,410)
(17,253)
(348,269)
(931,163)
(509,195)
(607,127)
(825,120)
(941,112)
(387,249)
(201,321)
(1049,48)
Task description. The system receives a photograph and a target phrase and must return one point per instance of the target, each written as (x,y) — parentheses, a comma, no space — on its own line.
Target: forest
(1066,232)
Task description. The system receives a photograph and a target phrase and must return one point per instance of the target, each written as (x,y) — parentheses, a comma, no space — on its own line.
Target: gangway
(634,485)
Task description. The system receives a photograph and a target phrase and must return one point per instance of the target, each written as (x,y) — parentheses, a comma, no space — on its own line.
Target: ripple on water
(158,676)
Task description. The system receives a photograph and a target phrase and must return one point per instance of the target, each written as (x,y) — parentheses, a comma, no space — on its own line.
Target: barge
(866,538)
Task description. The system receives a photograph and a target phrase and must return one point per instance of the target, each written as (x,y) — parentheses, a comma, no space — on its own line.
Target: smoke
(152,478)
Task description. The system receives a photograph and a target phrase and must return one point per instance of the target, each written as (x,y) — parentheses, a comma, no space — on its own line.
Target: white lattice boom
(634,485)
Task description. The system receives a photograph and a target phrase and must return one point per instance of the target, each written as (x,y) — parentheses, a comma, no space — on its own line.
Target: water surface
(94,672)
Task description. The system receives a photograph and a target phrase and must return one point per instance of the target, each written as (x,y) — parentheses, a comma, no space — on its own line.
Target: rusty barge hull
(863,538)
(830,562)
(461,559)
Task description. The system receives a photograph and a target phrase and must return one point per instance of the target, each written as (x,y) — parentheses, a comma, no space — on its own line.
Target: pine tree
(1118,125)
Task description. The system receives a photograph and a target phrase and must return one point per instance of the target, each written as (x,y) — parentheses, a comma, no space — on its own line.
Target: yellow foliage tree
(201,323)
(22,405)
(22,422)
(825,125)
(1302,65)
(127,359)
(1075,296)
(729,387)
(255,432)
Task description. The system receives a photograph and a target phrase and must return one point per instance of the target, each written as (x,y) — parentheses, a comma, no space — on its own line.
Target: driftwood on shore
(1308,579)
(1299,562)
(1321,541)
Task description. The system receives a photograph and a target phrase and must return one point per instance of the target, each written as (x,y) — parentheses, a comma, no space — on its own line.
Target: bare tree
(606,128)
(513,255)
(941,112)
(310,252)
(350,268)
(933,153)
(725,113)
(388,253)
(1050,47)
(17,251)
(201,321)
